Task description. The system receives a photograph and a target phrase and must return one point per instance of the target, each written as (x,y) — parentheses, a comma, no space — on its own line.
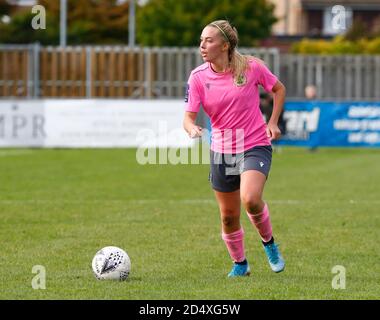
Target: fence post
(88,72)
(29,81)
(148,73)
(377,77)
(319,77)
(36,70)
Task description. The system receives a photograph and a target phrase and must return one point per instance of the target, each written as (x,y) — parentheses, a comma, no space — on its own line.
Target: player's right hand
(195,132)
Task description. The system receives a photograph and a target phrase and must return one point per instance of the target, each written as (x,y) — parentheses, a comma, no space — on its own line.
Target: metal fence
(33,71)
(111,71)
(336,77)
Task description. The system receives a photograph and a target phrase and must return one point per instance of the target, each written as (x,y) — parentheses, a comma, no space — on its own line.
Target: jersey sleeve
(193,95)
(266,78)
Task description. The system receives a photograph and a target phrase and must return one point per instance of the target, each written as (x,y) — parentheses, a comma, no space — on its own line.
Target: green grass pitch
(58,207)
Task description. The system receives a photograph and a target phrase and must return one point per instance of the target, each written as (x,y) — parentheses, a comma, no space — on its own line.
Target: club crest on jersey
(240,81)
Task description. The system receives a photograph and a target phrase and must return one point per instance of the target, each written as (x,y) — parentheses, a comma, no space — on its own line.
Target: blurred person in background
(311,95)
(310,92)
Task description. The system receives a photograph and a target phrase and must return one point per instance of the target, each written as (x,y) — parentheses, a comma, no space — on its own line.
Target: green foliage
(5,7)
(373,47)
(179,23)
(357,31)
(357,40)
(159,22)
(12,33)
(339,45)
(88,21)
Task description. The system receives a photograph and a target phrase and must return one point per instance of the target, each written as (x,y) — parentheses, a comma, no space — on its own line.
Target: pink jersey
(234,109)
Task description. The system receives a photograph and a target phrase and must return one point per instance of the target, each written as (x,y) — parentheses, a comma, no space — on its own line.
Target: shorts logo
(261,164)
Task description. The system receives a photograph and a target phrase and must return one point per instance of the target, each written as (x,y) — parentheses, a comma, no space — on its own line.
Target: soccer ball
(111,263)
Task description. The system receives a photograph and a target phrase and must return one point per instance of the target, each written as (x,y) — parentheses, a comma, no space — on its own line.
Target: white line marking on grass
(10,153)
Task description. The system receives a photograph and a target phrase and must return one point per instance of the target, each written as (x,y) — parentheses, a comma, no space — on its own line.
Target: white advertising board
(92,123)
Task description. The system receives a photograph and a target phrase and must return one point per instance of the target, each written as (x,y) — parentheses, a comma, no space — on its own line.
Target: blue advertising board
(320,123)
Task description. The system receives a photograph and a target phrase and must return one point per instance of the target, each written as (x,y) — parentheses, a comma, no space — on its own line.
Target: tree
(5,7)
(88,22)
(358,30)
(159,22)
(179,23)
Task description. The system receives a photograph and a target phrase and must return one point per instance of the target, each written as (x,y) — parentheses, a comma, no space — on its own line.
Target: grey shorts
(225,169)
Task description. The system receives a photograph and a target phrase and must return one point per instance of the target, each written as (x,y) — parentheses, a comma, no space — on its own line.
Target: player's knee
(229,220)
(253,204)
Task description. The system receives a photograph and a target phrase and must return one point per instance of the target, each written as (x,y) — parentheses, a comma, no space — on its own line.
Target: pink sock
(235,244)
(262,222)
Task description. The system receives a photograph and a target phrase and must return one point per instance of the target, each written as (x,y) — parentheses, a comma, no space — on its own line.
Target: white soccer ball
(111,263)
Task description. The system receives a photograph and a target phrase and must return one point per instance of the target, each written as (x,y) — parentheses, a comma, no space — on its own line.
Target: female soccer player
(227,87)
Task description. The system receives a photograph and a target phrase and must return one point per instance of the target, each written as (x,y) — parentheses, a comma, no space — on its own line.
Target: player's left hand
(273,132)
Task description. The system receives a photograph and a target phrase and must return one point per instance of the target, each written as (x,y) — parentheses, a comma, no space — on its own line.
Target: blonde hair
(238,62)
